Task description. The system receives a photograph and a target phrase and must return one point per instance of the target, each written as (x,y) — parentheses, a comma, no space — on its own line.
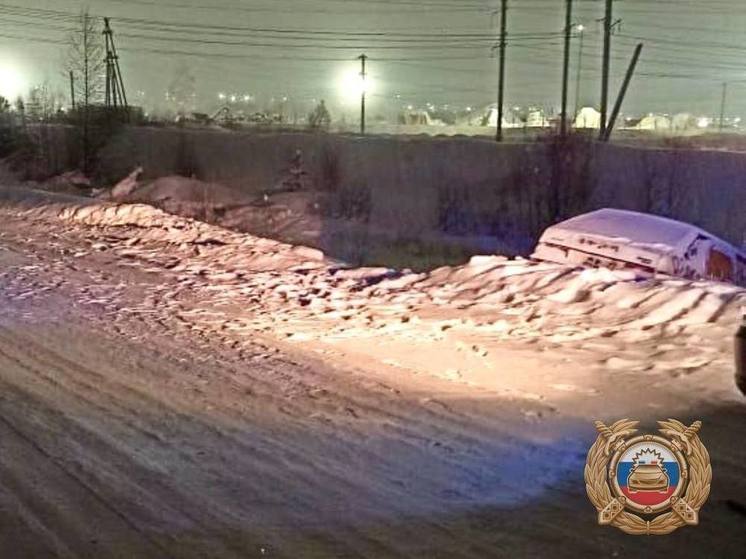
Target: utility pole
(722,106)
(566,66)
(362,58)
(115,94)
(72,90)
(605,69)
(580,28)
(501,71)
(622,93)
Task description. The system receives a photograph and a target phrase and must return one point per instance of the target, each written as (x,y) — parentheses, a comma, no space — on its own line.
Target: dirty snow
(529,329)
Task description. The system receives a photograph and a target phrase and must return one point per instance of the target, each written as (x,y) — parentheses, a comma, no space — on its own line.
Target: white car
(621,239)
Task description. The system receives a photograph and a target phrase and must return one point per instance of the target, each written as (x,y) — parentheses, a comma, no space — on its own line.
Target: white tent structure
(490,119)
(654,122)
(418,117)
(588,117)
(536,119)
(649,244)
(683,121)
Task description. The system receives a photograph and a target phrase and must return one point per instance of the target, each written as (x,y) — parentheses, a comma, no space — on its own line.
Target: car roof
(637,228)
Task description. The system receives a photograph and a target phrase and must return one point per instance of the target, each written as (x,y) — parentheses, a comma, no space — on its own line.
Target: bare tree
(85,60)
(181,93)
(6,127)
(42,103)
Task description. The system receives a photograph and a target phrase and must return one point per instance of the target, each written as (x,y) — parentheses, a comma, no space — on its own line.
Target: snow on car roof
(637,228)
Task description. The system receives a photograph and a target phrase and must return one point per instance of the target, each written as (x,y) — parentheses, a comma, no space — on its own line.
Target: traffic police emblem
(648,484)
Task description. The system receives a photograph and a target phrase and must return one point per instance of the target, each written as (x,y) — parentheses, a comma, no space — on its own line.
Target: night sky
(436,51)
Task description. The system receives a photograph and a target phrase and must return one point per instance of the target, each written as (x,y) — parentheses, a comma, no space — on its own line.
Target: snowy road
(137,419)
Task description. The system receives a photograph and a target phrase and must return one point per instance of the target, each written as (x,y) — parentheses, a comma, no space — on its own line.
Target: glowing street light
(351,85)
(221,96)
(12,83)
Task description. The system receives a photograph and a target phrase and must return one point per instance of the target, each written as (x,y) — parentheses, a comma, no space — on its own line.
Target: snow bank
(518,327)
(157,225)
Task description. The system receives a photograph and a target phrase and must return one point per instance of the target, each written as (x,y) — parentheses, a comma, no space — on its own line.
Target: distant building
(511,118)
(588,117)
(417,117)
(536,119)
(683,121)
(654,122)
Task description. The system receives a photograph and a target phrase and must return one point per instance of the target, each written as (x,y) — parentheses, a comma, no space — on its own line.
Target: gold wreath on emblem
(683,509)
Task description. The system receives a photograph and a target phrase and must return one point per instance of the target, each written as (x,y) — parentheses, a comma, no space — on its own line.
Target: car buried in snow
(648,244)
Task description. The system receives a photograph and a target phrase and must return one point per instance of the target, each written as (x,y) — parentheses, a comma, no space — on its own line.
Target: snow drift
(504,325)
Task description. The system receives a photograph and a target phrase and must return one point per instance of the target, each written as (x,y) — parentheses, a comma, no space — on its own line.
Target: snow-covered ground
(567,332)
(204,392)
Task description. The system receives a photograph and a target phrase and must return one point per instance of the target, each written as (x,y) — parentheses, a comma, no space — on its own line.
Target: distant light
(221,96)
(12,83)
(737,120)
(468,109)
(703,122)
(247,98)
(233,98)
(410,107)
(580,27)
(285,98)
(351,85)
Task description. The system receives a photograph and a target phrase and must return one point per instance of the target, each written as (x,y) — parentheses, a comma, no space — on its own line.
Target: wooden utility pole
(566,66)
(622,93)
(580,29)
(362,58)
(72,90)
(605,67)
(501,70)
(722,106)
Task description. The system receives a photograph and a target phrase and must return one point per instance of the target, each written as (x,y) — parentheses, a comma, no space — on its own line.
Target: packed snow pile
(127,185)
(69,182)
(291,216)
(154,225)
(181,190)
(531,329)
(182,196)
